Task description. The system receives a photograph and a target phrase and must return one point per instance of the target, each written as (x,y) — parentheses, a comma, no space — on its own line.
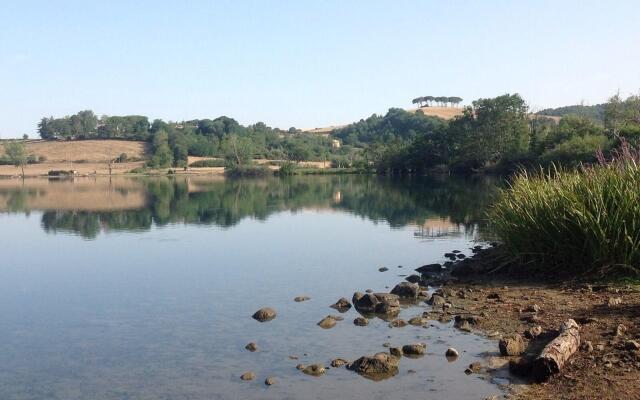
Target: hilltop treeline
(443,101)
(172,142)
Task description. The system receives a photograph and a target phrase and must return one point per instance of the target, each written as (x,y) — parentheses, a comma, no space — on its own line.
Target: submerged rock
(339,362)
(342,305)
(301,299)
(417,321)
(248,376)
(270,381)
(383,269)
(378,367)
(264,314)
(406,290)
(360,321)
(414,349)
(398,323)
(395,351)
(327,322)
(251,347)
(315,370)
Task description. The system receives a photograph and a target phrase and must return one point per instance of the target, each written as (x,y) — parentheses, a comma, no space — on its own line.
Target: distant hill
(595,112)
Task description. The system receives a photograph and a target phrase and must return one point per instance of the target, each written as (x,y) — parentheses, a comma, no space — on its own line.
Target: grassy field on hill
(85,150)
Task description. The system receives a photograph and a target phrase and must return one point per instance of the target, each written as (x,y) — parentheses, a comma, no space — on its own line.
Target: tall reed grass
(584,220)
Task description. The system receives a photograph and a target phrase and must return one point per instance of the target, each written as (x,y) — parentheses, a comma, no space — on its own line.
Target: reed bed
(584,220)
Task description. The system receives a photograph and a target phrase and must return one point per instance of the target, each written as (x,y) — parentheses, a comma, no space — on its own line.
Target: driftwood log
(555,355)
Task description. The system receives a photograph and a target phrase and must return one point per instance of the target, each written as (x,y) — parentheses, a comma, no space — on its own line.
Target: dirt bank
(607,366)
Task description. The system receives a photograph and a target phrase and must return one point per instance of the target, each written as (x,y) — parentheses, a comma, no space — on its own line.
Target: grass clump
(246,170)
(584,220)
(211,163)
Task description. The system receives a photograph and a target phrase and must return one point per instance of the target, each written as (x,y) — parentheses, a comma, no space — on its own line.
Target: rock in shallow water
(395,351)
(301,299)
(339,362)
(429,268)
(361,321)
(378,367)
(251,347)
(264,314)
(414,349)
(327,322)
(398,323)
(248,376)
(451,353)
(406,290)
(270,381)
(315,370)
(341,305)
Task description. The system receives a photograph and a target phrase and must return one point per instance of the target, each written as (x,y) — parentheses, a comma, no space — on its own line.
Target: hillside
(84,150)
(594,112)
(441,112)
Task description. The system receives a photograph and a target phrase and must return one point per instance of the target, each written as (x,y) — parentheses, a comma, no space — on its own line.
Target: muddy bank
(502,302)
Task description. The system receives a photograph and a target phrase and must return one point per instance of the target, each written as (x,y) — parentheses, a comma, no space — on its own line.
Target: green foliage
(16,154)
(287,169)
(238,151)
(396,125)
(208,164)
(594,113)
(162,154)
(576,150)
(581,220)
(622,118)
(246,170)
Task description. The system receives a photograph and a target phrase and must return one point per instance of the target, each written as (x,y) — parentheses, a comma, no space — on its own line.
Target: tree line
(491,135)
(442,101)
(172,142)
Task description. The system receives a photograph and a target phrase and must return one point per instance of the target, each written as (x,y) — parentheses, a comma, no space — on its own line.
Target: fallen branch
(555,355)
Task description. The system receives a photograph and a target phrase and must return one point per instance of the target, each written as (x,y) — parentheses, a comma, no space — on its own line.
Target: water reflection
(436,206)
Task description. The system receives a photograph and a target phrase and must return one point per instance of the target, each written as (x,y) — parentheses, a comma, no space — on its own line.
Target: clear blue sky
(305,63)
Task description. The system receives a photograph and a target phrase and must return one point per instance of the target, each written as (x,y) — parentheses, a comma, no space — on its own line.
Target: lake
(143,288)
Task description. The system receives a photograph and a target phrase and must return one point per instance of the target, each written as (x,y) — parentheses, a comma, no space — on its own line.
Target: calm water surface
(143,288)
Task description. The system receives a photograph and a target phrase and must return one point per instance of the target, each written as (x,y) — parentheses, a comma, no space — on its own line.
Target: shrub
(208,164)
(582,220)
(287,169)
(246,171)
(576,150)
(122,158)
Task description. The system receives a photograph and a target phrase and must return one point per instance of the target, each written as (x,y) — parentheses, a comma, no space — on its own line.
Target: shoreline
(607,364)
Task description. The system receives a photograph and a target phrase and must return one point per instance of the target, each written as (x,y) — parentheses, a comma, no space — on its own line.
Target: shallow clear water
(144,288)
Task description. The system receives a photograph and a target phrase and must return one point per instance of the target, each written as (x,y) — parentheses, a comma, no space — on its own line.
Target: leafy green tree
(238,151)
(16,152)
(622,118)
(162,155)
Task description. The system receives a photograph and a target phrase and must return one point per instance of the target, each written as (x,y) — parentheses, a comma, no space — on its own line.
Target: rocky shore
(564,340)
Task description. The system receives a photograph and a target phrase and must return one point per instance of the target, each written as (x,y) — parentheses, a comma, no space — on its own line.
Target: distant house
(335,144)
